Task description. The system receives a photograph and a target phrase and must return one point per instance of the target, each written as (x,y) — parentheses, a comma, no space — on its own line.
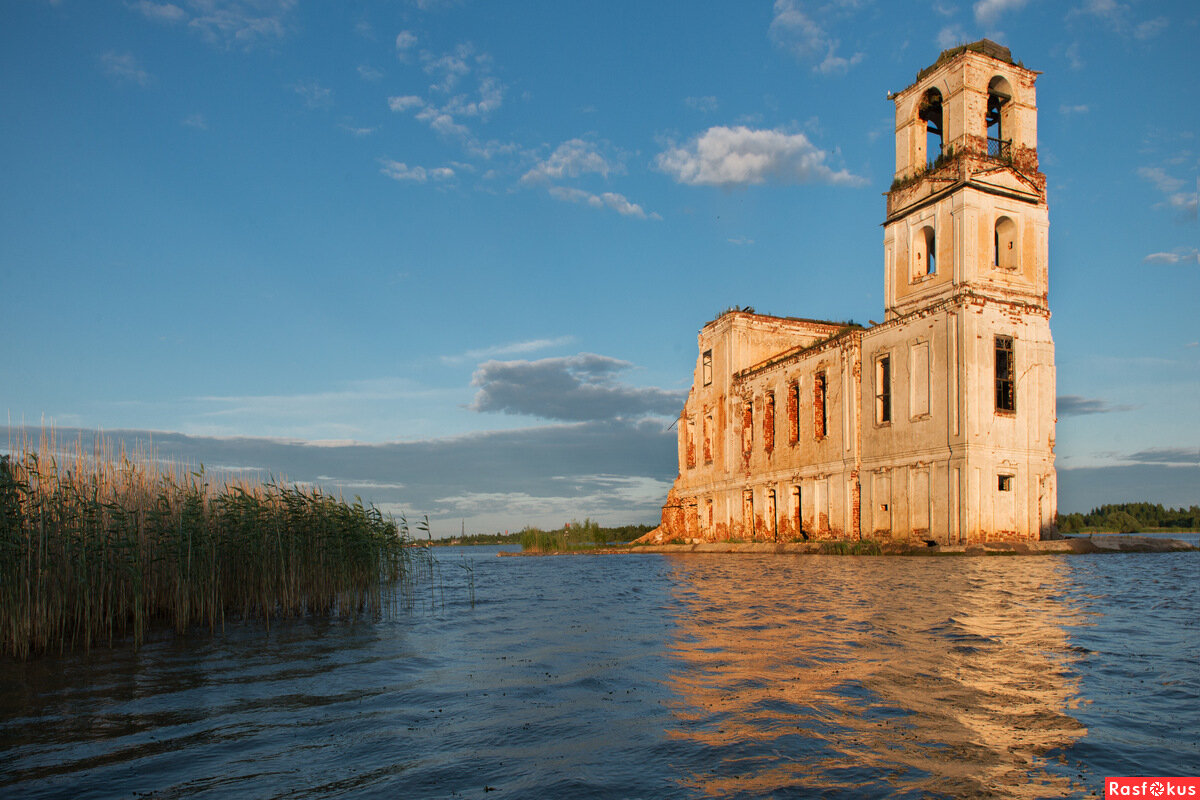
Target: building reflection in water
(875,675)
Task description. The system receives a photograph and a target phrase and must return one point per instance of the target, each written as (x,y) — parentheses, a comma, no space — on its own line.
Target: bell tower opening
(930,112)
(998,101)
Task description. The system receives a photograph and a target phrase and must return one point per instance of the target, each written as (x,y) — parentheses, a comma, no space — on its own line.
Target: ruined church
(935,425)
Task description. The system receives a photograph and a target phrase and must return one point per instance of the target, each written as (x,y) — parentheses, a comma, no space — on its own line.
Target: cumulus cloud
(244,23)
(399,171)
(1185,203)
(405,102)
(160,12)
(617,202)
(572,388)
(405,41)
(570,159)
(795,29)
(741,156)
(124,67)
(988,12)
(1073,405)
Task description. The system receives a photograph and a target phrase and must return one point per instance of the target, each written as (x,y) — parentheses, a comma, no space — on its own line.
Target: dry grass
(104,546)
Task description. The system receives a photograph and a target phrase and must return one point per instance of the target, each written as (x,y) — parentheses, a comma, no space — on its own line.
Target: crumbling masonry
(936,425)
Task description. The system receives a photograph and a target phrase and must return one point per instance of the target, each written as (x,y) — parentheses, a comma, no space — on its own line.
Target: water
(649,676)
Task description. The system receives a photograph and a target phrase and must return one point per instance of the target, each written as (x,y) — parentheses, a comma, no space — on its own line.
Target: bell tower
(966,212)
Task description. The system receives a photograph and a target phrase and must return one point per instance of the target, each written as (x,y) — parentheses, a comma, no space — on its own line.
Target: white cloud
(399,171)
(951,36)
(196,121)
(570,159)
(706,104)
(442,122)
(1076,109)
(1150,28)
(741,156)
(449,68)
(358,133)
(405,102)
(1185,203)
(509,349)
(124,67)
(244,23)
(1189,255)
(405,41)
(617,202)
(988,12)
(315,95)
(160,12)
(369,73)
(795,30)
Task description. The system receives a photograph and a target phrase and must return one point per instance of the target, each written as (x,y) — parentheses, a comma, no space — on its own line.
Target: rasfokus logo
(1151,787)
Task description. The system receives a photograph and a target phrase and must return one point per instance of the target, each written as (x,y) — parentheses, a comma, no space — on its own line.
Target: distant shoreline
(1101,543)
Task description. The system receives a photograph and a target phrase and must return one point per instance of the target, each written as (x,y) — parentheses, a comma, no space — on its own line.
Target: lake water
(650,676)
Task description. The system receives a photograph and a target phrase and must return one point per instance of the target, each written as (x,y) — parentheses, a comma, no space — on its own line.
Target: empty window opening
(1006,398)
(708,428)
(708,513)
(1005,483)
(747,427)
(820,419)
(769,423)
(997,117)
(691,442)
(924,253)
(772,517)
(798,511)
(706,367)
(883,390)
(931,112)
(748,511)
(793,411)
(1005,243)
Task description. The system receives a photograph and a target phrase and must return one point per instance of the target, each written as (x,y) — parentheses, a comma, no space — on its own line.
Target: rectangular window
(798,511)
(747,427)
(819,417)
(769,423)
(748,512)
(1005,483)
(706,367)
(708,513)
(883,390)
(1006,397)
(793,411)
(772,518)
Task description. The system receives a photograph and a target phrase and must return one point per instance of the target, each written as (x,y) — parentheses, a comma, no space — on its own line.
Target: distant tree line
(573,533)
(1131,518)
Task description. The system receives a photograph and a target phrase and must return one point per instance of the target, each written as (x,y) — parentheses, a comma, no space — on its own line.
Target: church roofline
(750,313)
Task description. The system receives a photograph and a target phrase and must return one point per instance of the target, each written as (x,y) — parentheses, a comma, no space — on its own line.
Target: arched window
(930,111)
(924,253)
(999,135)
(1005,243)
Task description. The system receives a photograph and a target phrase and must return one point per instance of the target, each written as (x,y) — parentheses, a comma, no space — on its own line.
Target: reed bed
(103,546)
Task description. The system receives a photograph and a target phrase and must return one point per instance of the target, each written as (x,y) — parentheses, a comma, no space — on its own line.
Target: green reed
(100,547)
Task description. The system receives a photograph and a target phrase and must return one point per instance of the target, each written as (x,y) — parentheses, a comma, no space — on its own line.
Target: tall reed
(102,546)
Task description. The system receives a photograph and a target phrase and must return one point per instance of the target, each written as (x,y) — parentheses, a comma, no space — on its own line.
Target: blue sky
(452,256)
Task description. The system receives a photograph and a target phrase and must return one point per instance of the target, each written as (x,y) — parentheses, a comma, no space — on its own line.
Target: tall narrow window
(793,411)
(1005,243)
(706,367)
(820,419)
(747,427)
(883,390)
(1006,396)
(931,112)
(798,511)
(998,112)
(708,433)
(691,442)
(748,511)
(769,423)
(772,515)
(708,513)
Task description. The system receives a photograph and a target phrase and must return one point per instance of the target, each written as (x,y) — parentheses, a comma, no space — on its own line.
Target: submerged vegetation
(100,547)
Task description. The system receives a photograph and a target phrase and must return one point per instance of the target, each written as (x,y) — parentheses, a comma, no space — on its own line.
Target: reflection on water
(647,676)
(946,676)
